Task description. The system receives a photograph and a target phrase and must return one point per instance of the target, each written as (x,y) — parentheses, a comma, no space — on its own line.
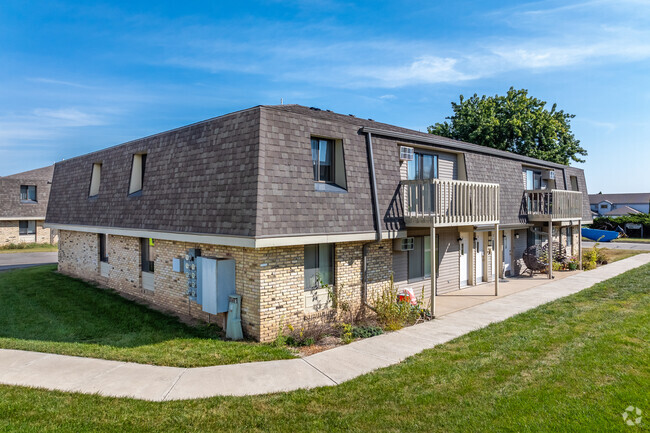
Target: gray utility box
(216,282)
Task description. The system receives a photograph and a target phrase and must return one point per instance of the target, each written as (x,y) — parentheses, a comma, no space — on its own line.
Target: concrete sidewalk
(25,260)
(148,382)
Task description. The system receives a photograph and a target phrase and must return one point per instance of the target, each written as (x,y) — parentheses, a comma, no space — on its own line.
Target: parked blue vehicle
(600,235)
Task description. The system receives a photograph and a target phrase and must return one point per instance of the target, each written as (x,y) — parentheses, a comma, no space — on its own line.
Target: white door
(464,259)
(507,251)
(492,255)
(479,257)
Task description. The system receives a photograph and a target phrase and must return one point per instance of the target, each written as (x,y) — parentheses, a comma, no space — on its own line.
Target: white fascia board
(42,218)
(235,241)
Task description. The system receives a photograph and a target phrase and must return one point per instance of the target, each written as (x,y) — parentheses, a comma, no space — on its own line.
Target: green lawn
(615,255)
(572,365)
(28,248)
(44,311)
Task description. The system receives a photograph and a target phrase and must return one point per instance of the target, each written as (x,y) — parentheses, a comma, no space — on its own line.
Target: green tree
(515,122)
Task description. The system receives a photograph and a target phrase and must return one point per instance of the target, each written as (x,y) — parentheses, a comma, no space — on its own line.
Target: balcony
(442,203)
(552,205)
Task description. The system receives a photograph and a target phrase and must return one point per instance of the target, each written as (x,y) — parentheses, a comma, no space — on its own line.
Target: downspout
(375,206)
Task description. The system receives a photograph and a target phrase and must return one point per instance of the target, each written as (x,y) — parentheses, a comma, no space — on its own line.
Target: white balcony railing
(449,202)
(552,204)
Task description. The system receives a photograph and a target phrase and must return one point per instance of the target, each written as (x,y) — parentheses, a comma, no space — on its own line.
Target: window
(319,265)
(423,166)
(137,173)
(419,258)
(603,206)
(534,179)
(102,248)
(95,179)
(569,237)
(148,251)
(26,227)
(322,152)
(574,183)
(28,193)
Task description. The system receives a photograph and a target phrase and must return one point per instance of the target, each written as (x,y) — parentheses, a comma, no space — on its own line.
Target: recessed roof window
(95,179)
(137,173)
(328,163)
(28,193)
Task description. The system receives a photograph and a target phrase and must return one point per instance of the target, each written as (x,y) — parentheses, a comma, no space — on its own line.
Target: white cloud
(68,117)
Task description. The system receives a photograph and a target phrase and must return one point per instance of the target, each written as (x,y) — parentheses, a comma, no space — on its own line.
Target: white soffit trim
(22,218)
(234,241)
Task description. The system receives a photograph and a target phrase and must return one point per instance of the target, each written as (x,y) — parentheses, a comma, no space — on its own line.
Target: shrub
(26,246)
(366,331)
(393,314)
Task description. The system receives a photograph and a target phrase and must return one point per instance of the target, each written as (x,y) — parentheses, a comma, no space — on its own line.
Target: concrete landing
(156,383)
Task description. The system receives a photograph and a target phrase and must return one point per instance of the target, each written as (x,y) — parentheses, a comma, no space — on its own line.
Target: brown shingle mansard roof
(249,173)
(632,198)
(10,204)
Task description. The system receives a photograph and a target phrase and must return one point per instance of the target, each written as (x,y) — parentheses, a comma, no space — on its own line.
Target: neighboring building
(302,199)
(23,203)
(619,204)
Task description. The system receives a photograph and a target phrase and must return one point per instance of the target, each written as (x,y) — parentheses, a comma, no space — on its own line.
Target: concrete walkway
(148,382)
(25,260)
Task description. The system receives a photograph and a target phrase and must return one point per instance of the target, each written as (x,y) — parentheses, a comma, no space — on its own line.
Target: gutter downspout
(375,206)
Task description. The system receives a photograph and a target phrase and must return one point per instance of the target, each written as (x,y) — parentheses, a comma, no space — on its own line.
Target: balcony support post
(497,260)
(550,249)
(433,269)
(579,245)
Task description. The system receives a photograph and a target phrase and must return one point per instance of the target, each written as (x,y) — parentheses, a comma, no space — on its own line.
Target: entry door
(507,250)
(464,259)
(479,257)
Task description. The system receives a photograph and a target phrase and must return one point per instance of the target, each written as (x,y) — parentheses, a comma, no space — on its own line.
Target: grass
(633,240)
(572,365)
(44,311)
(615,255)
(28,248)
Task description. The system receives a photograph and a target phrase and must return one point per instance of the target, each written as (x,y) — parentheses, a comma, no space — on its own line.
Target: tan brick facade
(270,280)
(10,234)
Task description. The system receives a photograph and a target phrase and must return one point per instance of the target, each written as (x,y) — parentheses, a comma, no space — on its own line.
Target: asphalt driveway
(618,245)
(25,260)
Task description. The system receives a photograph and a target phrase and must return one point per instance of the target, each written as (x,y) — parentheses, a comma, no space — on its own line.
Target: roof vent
(314,108)
(351,115)
(371,120)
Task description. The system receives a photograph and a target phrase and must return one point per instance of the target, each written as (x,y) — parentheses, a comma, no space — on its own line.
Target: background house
(23,204)
(619,204)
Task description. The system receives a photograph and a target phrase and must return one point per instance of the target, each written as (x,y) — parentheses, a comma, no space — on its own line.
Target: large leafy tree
(515,122)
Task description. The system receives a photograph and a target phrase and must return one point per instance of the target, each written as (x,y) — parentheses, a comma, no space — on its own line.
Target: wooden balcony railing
(552,205)
(449,202)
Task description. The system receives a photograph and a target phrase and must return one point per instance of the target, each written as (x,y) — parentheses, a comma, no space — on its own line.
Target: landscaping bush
(393,314)
(26,246)
(366,331)
(610,223)
(594,256)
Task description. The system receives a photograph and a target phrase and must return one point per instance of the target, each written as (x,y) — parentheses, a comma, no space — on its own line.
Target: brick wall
(270,280)
(9,234)
(79,257)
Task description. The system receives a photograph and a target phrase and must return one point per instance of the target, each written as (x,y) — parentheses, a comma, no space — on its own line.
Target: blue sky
(77,77)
